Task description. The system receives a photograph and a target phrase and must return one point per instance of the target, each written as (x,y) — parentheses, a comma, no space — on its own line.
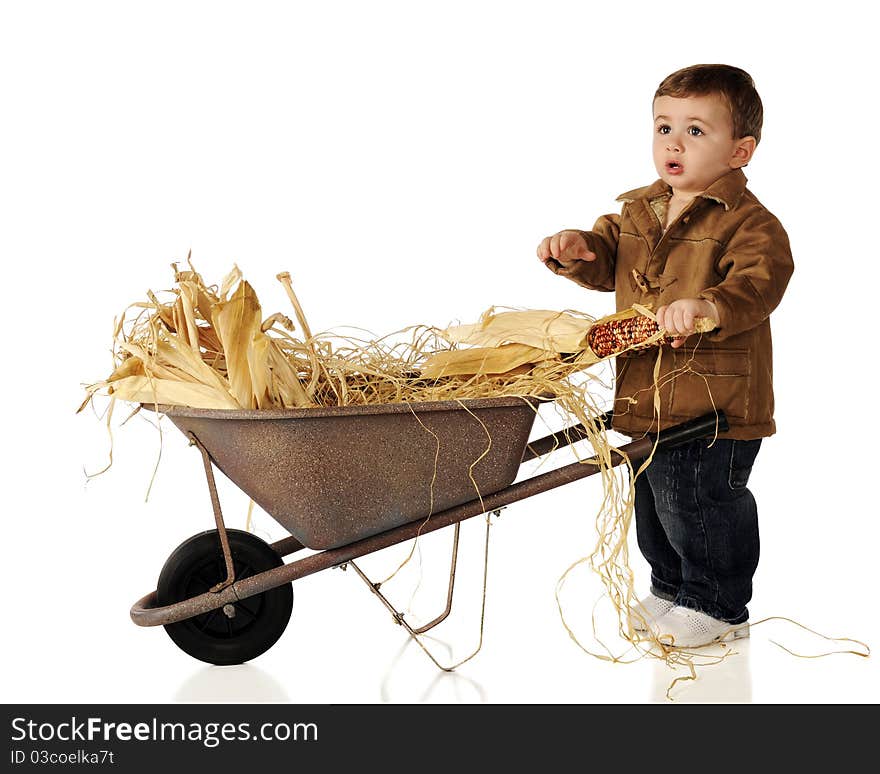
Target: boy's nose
(673,146)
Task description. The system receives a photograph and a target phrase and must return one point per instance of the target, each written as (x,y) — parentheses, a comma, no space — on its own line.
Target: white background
(402,161)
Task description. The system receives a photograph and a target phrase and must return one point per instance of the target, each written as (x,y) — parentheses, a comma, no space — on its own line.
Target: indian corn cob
(609,338)
(631,331)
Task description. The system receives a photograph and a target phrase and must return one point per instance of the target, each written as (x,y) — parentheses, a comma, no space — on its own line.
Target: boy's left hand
(678,317)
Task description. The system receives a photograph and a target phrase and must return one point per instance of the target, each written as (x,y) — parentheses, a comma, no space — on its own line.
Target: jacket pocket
(708,380)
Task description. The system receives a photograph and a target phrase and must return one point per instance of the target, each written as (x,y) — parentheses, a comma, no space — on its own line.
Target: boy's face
(694,143)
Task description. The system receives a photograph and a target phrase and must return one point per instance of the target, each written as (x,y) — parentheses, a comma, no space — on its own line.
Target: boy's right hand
(563,250)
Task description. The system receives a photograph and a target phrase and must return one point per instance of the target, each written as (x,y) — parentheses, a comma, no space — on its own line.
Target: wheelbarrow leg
(398,616)
(218,516)
(445,613)
(414,633)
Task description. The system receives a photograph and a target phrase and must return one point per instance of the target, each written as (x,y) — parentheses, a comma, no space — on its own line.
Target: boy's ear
(742,154)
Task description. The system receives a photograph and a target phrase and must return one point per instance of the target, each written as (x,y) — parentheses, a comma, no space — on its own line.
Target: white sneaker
(646,611)
(682,627)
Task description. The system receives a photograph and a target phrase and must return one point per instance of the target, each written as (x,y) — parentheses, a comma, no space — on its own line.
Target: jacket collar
(726,190)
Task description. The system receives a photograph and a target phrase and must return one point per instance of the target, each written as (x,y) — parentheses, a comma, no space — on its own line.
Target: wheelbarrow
(345,482)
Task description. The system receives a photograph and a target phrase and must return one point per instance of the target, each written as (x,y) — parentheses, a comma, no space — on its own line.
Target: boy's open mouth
(674,168)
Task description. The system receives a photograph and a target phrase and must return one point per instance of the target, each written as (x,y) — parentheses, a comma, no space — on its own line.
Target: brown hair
(733,85)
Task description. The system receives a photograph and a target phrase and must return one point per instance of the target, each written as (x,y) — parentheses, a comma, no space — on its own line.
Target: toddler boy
(696,243)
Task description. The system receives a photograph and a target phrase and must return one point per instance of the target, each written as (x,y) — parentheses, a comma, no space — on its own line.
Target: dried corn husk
(495,337)
(237,322)
(539,328)
(483,360)
(150,390)
(217,338)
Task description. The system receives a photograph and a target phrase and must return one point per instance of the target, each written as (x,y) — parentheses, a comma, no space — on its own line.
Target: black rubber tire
(194,567)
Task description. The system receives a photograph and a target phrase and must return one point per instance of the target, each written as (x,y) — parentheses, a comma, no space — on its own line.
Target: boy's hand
(678,317)
(563,250)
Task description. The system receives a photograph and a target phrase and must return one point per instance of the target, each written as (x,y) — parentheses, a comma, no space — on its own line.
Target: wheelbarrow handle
(705,426)
(701,427)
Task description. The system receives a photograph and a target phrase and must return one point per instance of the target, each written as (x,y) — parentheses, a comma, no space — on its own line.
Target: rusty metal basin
(332,476)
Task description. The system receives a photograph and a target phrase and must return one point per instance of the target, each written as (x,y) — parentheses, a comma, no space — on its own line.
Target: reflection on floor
(722,674)
(235,684)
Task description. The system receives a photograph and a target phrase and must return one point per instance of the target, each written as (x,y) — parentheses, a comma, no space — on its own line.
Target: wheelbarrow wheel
(256,622)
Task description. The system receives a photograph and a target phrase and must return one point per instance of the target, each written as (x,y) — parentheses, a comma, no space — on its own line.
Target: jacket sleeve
(756,265)
(602,240)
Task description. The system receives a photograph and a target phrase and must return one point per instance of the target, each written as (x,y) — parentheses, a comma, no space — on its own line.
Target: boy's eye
(663,129)
(695,131)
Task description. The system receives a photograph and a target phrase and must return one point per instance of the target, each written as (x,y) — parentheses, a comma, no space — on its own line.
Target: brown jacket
(724,247)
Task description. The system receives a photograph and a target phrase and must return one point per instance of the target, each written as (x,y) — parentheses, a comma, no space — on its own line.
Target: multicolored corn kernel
(615,336)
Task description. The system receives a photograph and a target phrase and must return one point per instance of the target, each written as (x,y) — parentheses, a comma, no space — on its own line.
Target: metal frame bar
(398,616)
(565,437)
(218,516)
(414,633)
(445,614)
(147,612)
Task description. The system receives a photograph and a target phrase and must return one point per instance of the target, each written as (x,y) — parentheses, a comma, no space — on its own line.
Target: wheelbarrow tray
(334,476)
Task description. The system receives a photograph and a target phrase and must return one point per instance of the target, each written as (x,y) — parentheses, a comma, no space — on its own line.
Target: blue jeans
(697,525)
